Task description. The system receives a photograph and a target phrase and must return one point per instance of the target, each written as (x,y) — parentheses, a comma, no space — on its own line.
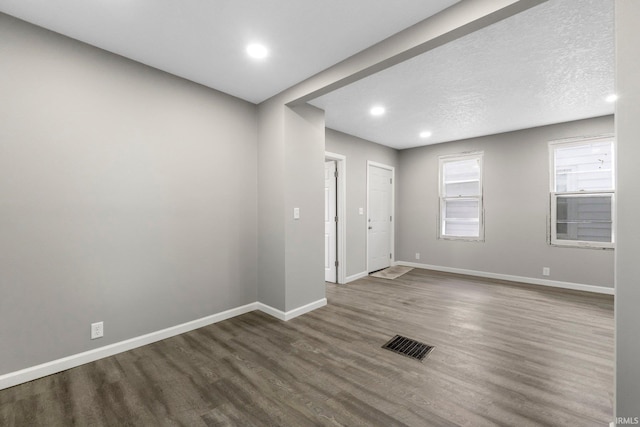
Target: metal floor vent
(408,347)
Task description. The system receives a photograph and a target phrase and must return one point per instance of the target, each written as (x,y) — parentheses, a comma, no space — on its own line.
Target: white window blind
(461,196)
(583,193)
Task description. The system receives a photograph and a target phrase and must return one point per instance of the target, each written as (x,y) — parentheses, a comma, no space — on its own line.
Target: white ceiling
(204,40)
(550,64)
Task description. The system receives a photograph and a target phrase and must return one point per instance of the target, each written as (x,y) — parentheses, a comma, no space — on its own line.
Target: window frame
(553,194)
(442,199)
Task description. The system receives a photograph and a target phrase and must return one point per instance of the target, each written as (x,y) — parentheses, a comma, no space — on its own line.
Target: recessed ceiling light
(612,98)
(378,110)
(257,51)
(425,134)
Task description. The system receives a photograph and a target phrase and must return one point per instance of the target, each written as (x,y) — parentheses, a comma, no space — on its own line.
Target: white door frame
(393,212)
(341,167)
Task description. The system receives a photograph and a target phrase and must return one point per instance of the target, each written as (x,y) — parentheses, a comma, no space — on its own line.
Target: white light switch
(296,213)
(361,211)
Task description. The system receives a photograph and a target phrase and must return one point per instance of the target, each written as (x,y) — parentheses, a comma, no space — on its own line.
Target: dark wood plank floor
(506,354)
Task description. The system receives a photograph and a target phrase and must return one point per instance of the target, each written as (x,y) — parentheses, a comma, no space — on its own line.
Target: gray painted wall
(627,309)
(57,184)
(358,151)
(291,174)
(516,203)
(271,188)
(129,196)
(304,189)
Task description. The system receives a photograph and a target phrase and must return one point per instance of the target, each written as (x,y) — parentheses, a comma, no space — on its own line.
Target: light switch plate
(296,213)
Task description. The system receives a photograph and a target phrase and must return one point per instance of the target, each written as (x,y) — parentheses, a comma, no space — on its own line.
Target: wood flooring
(505,354)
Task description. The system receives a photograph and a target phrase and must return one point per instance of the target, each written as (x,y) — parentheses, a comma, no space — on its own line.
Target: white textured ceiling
(550,64)
(204,40)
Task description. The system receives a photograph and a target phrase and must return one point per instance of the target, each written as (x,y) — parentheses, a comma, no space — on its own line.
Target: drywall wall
(304,189)
(358,152)
(128,196)
(291,175)
(627,400)
(516,205)
(271,188)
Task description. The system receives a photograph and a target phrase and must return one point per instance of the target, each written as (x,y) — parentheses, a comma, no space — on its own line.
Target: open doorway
(334,217)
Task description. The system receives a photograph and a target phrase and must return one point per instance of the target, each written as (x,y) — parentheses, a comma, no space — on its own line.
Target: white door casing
(380,216)
(341,212)
(330,215)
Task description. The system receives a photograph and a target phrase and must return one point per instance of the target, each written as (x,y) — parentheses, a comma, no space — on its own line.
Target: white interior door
(330,225)
(379,226)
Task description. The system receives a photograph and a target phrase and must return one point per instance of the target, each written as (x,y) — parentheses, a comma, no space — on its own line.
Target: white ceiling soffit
(550,64)
(204,40)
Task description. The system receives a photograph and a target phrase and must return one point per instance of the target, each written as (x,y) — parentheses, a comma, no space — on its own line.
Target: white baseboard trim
(28,374)
(59,365)
(521,279)
(279,314)
(356,277)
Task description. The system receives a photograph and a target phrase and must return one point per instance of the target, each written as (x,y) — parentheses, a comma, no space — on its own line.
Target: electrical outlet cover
(97,330)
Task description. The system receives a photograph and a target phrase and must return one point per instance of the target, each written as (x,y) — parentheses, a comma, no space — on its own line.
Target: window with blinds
(583,192)
(461,197)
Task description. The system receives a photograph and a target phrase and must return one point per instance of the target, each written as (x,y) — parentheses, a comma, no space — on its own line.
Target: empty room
(292,213)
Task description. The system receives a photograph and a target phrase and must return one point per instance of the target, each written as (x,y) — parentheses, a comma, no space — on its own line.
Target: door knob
(370,227)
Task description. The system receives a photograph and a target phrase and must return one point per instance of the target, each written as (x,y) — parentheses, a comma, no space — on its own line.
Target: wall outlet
(417,255)
(97,330)
(546,271)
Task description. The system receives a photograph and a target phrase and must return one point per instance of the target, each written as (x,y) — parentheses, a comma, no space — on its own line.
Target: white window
(461,197)
(582,192)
